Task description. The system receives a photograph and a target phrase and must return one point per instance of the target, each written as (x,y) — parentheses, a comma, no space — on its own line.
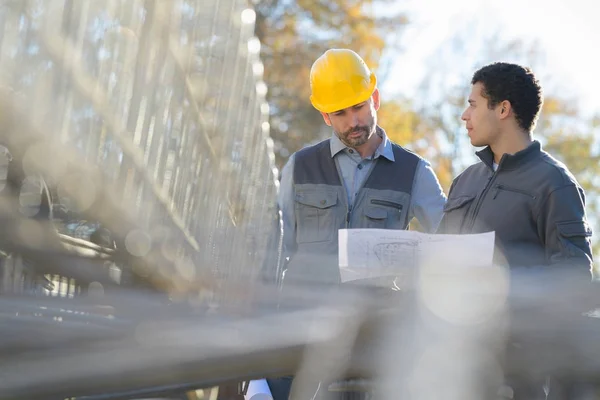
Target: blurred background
(424,53)
(142,144)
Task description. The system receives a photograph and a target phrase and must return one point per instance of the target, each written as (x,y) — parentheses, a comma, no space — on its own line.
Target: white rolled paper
(258,390)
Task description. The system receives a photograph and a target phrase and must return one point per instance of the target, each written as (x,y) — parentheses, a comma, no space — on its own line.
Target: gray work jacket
(531,201)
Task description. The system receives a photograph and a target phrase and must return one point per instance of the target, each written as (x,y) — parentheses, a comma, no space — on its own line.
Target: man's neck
(368,149)
(512,143)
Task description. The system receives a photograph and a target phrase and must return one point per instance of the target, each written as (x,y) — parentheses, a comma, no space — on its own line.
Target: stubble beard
(365,134)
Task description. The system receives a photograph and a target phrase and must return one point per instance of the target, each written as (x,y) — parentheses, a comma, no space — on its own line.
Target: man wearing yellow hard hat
(357,178)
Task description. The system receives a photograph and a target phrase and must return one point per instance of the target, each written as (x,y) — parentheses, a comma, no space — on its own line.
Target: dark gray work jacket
(533,204)
(321,207)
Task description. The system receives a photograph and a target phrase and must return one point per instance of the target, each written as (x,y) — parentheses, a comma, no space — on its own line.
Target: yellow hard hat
(340,79)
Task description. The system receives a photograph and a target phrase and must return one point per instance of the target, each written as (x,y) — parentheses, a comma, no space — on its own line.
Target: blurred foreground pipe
(195,352)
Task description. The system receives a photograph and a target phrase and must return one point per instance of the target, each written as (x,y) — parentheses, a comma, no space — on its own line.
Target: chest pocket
(455,212)
(315,216)
(375,217)
(384,213)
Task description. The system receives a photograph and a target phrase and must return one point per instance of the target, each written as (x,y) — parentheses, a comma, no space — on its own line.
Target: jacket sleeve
(428,198)
(286,205)
(443,226)
(563,228)
(276,263)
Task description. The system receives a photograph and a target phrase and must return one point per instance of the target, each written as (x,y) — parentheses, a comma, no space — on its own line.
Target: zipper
(509,189)
(487,188)
(387,204)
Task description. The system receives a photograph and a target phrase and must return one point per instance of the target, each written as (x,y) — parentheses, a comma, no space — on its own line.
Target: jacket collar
(511,161)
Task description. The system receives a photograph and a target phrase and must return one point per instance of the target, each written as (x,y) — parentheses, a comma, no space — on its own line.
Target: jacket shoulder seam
(562,171)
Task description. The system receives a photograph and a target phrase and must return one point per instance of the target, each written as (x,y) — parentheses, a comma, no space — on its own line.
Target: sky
(565,30)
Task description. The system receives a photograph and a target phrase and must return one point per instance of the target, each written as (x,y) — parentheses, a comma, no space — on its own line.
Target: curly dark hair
(504,81)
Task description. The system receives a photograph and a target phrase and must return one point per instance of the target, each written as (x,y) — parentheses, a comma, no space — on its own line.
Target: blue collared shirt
(427,200)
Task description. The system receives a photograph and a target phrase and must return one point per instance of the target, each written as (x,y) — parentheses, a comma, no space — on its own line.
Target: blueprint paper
(375,253)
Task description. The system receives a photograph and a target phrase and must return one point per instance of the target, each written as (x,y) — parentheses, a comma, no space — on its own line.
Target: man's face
(355,125)
(481,121)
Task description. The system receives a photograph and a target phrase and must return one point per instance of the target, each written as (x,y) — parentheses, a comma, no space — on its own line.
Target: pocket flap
(376,213)
(457,202)
(320,199)
(574,228)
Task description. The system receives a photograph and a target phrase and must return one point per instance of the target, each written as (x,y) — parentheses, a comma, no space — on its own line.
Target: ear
(326,118)
(504,109)
(375,97)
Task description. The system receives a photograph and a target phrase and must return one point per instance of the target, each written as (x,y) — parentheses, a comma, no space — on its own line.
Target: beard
(356,136)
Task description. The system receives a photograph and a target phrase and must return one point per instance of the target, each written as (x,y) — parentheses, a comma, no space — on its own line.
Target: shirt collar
(384,149)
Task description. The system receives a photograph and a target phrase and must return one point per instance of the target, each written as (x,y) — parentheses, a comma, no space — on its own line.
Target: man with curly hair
(529,199)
